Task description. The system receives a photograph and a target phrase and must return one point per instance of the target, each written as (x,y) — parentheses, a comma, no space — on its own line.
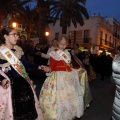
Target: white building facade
(96,34)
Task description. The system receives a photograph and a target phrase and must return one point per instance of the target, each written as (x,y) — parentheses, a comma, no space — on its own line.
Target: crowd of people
(93,63)
(65,93)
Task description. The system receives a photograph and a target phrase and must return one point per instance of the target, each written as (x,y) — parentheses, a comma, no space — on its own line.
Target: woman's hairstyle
(4,31)
(2,40)
(63,37)
(23,36)
(54,40)
(37,44)
(76,44)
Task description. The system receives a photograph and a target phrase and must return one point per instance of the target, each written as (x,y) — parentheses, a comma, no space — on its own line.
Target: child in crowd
(61,97)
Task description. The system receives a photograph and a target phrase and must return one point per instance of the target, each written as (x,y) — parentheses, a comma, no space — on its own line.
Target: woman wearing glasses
(22,103)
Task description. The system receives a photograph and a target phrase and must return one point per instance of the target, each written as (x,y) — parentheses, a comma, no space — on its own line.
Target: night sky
(107,8)
(104,7)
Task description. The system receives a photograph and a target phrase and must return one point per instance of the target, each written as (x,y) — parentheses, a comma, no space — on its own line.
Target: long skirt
(61,97)
(19,101)
(84,83)
(22,100)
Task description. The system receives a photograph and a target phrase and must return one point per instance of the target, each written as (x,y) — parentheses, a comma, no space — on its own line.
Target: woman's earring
(6,41)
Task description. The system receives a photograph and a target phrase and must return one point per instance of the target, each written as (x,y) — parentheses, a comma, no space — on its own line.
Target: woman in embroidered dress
(90,71)
(61,97)
(83,78)
(24,103)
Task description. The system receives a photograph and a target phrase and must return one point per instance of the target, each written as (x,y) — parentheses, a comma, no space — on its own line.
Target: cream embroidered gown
(61,97)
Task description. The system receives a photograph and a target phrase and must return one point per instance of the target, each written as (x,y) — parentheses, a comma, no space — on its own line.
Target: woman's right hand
(5,83)
(44,68)
(38,53)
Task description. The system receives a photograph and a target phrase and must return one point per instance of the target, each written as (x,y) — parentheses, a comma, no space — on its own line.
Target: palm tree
(9,7)
(27,17)
(68,11)
(43,11)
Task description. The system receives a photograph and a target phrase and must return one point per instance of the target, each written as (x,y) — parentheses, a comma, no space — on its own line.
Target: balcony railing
(105,42)
(80,40)
(85,40)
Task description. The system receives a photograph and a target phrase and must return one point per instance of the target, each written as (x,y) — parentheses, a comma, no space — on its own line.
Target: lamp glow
(14,24)
(47,33)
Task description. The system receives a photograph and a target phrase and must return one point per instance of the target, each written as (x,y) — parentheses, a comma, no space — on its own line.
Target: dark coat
(116,78)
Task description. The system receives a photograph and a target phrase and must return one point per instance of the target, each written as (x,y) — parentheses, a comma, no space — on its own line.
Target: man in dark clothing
(103,65)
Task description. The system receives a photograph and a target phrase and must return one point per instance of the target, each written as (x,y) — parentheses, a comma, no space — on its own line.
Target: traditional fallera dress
(6,112)
(90,71)
(83,79)
(18,101)
(61,97)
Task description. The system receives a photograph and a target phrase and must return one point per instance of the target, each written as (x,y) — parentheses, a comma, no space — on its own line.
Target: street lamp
(47,34)
(14,24)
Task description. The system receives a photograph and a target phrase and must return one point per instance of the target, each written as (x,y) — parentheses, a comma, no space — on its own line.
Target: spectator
(103,65)
(40,48)
(52,48)
(22,42)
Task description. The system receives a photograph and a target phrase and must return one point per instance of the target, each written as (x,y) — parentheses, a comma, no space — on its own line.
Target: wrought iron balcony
(80,40)
(84,40)
(107,43)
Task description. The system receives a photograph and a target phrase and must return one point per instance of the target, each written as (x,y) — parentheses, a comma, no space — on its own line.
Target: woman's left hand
(45,68)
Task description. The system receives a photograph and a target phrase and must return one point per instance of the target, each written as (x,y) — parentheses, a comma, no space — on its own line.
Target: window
(78,36)
(56,35)
(86,36)
(72,37)
(101,36)
(110,39)
(105,39)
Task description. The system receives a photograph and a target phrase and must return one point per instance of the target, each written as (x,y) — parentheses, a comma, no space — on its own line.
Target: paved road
(103,96)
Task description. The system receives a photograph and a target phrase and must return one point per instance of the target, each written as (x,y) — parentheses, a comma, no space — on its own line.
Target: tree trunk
(64,24)
(43,10)
(42,23)
(64,29)
(28,30)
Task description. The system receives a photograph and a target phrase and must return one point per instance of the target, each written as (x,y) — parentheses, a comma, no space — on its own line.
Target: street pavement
(102,94)
(103,97)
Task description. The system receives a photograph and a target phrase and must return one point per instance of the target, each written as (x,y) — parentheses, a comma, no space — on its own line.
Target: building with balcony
(116,30)
(96,34)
